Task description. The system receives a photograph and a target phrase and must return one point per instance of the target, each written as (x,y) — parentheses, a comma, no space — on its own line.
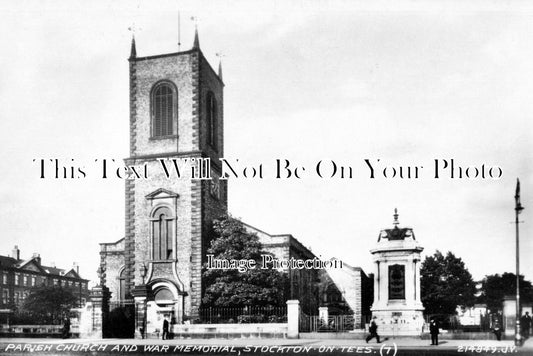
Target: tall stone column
(377,282)
(384,298)
(409,282)
(141,294)
(417,279)
(99,297)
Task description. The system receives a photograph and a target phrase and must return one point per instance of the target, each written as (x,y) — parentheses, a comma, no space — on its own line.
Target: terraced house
(19,276)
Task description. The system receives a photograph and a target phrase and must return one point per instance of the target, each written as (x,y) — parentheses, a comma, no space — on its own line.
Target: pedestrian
(165,329)
(66,328)
(373,329)
(497,329)
(525,323)
(434,331)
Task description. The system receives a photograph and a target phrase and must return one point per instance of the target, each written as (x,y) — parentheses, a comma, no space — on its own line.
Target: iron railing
(243,315)
(333,323)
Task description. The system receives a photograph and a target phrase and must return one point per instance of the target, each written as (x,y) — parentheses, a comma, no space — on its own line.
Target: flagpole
(518,208)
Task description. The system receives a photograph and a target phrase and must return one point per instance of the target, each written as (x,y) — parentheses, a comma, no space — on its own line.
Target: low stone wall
(461,335)
(271,330)
(353,335)
(33,331)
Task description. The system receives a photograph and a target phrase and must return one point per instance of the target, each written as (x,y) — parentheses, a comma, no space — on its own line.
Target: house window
(5,296)
(4,278)
(55,281)
(17,279)
(212,124)
(162,228)
(25,280)
(33,281)
(163,103)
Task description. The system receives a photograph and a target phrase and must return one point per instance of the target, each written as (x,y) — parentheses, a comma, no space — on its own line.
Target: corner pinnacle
(133,53)
(196,43)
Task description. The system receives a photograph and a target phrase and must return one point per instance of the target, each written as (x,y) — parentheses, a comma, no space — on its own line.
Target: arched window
(212,124)
(163,107)
(162,232)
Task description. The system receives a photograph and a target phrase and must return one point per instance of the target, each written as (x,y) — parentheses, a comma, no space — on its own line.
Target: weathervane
(133,29)
(195,19)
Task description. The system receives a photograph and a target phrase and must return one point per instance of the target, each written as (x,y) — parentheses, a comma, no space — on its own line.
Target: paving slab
(252,347)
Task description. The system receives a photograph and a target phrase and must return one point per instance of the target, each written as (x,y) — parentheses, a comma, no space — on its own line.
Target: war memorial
(153,275)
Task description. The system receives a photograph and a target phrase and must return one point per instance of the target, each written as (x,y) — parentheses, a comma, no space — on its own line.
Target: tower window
(163,103)
(162,228)
(212,124)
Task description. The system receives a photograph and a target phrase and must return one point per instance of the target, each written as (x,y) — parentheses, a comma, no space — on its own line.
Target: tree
(48,304)
(445,284)
(231,288)
(495,287)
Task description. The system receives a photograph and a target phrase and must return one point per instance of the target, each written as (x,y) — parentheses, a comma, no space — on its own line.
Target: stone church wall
(112,259)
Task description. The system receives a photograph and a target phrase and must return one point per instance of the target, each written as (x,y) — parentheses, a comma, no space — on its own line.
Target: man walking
(525,322)
(373,329)
(66,328)
(434,331)
(497,329)
(165,329)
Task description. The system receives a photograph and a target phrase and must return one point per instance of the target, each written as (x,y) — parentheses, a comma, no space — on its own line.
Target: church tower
(176,114)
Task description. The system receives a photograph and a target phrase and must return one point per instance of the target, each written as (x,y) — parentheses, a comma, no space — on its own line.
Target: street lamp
(143,270)
(518,209)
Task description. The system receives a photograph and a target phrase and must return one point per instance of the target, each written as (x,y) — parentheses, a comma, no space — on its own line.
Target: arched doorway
(166,302)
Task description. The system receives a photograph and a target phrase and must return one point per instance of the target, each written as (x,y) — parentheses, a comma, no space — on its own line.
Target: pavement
(254,346)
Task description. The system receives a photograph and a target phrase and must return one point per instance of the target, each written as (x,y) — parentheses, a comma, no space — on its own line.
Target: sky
(404,82)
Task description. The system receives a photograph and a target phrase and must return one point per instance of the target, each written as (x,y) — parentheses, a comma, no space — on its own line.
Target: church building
(177,113)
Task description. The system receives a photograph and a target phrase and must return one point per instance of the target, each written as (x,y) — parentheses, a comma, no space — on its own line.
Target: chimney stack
(37,258)
(76,267)
(16,253)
